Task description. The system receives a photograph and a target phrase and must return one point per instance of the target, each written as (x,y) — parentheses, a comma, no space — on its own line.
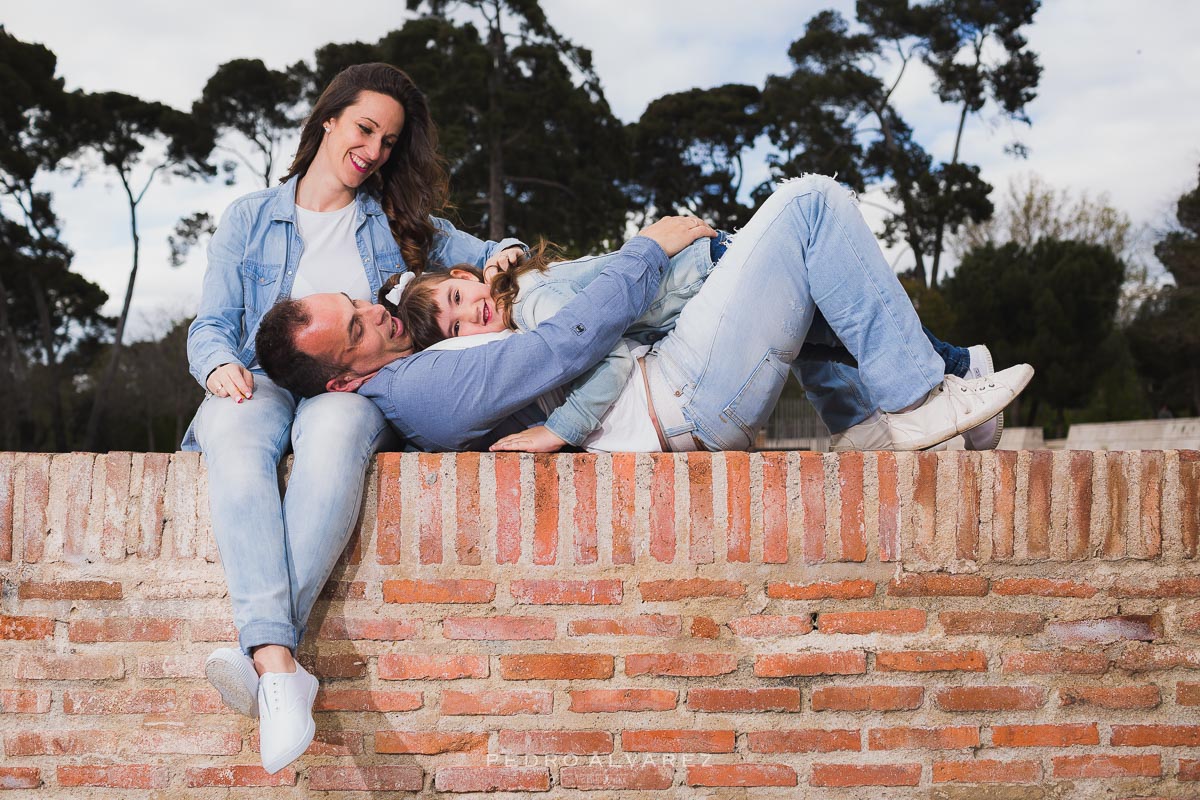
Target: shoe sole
(227,680)
(991,367)
(310,731)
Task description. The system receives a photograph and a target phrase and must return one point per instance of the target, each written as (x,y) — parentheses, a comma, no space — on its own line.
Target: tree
(247,99)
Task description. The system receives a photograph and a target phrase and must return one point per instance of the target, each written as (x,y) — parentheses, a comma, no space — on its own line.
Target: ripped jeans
(807,249)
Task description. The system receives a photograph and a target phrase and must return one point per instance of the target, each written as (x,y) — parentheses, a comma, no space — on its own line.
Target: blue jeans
(278,551)
(807,250)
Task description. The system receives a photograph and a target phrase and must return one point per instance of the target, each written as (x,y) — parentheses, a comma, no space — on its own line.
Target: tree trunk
(941,222)
(496,47)
(46,331)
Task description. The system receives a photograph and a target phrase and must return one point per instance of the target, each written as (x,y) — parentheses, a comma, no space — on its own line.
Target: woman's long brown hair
(412,183)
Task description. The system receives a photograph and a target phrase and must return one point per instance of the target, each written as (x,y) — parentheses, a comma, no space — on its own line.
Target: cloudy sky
(1116,112)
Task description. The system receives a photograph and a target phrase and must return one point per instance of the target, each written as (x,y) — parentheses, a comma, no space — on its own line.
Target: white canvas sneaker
(286,725)
(956,406)
(232,673)
(986,436)
(870,434)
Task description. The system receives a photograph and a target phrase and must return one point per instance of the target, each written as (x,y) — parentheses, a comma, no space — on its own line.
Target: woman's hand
(231,380)
(673,234)
(501,261)
(532,440)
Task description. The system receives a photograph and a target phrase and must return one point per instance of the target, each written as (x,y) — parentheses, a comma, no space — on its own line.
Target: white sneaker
(870,434)
(232,673)
(956,406)
(986,436)
(286,725)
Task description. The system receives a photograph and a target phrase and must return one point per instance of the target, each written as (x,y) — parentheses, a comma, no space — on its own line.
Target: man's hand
(231,380)
(501,261)
(673,234)
(532,440)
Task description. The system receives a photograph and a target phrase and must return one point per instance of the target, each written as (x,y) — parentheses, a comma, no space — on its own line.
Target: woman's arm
(213,336)
(452,246)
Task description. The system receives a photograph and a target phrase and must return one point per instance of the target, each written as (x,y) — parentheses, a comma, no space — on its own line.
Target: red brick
(904,620)
(69,590)
(624,470)
(1038,663)
(677,741)
(642,625)
(1114,544)
(343,590)
(583,472)
(822,590)
(937,584)
(986,771)
(812,499)
(1043,587)
(1155,735)
(1004,623)
(119,776)
(737,499)
(387,508)
(853,532)
(439,591)
(58,743)
(430,742)
(990,698)
(20,778)
(774,508)
(73,667)
(380,629)
(865,774)
(1172,587)
(681,664)
(741,775)
(966,534)
(1187,694)
(662,507)
(784,665)
(502,628)
(141,701)
(8,463)
(366,779)
(234,776)
(867,698)
(24,701)
(653,591)
(931,661)
(466,508)
(617,776)
(36,497)
(429,508)
(570,592)
(344,665)
(705,628)
(397,667)
(508,507)
(1140,627)
(207,701)
(492,779)
(1189,484)
(556,666)
(593,700)
(1079,506)
(763,625)
(1045,735)
(1149,538)
(955,738)
(124,630)
(367,700)
(781,698)
(213,630)
(191,741)
(1189,769)
(26,628)
(1107,766)
(496,703)
(804,740)
(1037,535)
(1116,697)
(1139,657)
(545,507)
(889,506)
(544,742)
(700,508)
(1004,503)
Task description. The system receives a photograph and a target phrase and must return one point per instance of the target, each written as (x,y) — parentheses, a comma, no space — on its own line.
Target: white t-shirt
(330,261)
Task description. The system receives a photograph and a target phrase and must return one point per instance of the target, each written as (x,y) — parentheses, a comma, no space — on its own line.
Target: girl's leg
(333,438)
(806,248)
(242,445)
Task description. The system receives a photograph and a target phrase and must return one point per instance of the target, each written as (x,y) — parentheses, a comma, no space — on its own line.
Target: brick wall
(960,625)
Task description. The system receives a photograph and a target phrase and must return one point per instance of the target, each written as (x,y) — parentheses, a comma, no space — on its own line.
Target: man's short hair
(282,360)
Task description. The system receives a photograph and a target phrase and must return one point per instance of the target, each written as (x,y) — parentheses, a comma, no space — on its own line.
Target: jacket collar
(283,205)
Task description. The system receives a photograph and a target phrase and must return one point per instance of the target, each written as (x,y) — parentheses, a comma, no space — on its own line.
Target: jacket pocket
(259,284)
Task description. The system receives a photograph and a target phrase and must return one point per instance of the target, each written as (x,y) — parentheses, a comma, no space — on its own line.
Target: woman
(353,209)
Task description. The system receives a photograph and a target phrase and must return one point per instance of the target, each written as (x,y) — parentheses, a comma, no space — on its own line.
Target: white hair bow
(393,295)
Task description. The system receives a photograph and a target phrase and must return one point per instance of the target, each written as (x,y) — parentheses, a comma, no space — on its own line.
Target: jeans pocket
(756,398)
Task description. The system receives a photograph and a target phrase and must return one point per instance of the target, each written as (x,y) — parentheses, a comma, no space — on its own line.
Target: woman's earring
(327,127)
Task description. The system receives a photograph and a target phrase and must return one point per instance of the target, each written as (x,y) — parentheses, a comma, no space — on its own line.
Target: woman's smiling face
(359,140)
(465,306)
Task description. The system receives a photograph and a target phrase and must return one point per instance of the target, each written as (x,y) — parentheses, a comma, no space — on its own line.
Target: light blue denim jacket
(542,294)
(252,262)
(466,399)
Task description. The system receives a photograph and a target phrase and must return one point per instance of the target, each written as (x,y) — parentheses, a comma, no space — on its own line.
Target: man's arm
(442,400)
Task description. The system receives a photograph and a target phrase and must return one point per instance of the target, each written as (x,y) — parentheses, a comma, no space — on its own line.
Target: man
(808,241)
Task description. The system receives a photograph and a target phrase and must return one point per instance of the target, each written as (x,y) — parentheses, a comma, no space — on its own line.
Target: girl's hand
(231,380)
(532,440)
(673,234)
(500,262)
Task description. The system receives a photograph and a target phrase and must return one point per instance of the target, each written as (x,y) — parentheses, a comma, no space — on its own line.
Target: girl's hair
(418,309)
(412,183)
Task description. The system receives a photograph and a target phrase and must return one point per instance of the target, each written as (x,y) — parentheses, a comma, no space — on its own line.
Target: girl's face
(358,141)
(465,306)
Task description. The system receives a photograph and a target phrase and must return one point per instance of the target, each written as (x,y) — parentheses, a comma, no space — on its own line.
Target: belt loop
(665,408)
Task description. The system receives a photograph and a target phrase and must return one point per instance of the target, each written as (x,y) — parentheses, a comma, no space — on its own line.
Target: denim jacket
(542,294)
(252,262)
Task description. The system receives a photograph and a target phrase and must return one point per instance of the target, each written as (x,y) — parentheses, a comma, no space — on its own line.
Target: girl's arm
(452,246)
